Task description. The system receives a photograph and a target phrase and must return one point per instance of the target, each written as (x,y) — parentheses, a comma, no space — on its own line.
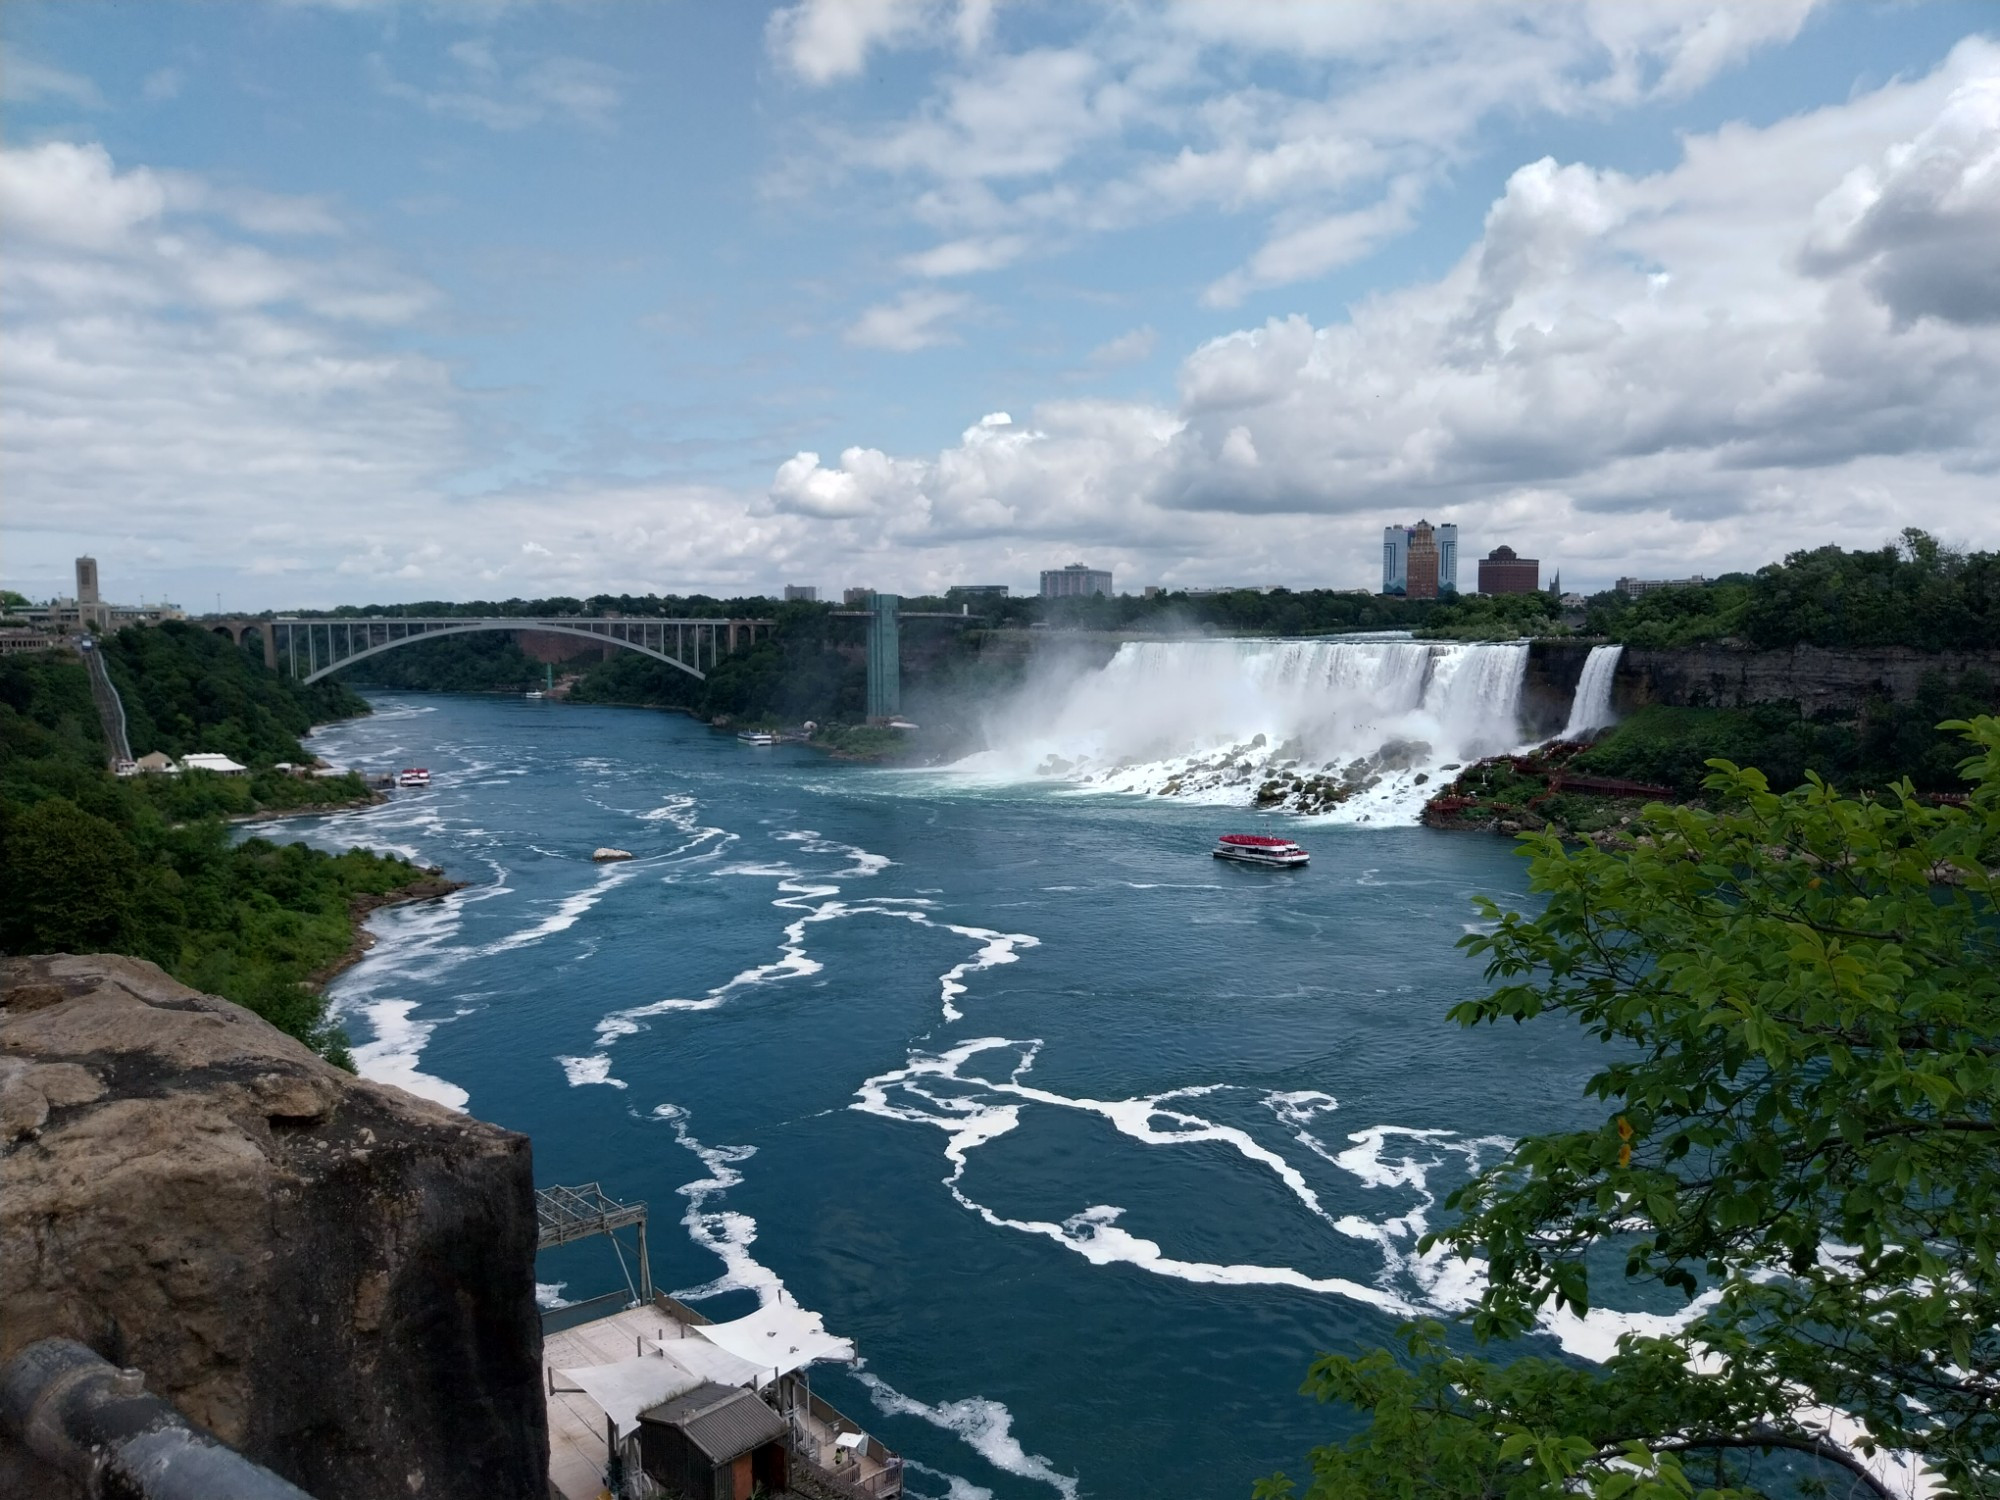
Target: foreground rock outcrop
(332,1275)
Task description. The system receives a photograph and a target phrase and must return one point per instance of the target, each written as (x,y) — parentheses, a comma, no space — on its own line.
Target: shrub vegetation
(146,865)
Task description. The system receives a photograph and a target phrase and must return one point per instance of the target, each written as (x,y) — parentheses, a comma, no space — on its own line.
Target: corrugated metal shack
(715,1442)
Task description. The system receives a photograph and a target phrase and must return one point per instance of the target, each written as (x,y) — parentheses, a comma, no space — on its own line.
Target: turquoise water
(1088,1141)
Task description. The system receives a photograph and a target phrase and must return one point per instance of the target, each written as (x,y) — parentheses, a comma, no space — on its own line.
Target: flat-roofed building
(975,591)
(796,593)
(1395,559)
(1503,571)
(1077,581)
(1421,581)
(1632,588)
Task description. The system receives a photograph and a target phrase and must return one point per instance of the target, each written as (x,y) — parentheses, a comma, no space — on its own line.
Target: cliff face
(335,1277)
(1549,686)
(1817,678)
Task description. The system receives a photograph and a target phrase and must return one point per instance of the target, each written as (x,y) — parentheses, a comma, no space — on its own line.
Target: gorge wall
(335,1277)
(1818,679)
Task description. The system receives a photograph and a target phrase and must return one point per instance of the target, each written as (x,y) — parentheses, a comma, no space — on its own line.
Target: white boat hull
(1271,861)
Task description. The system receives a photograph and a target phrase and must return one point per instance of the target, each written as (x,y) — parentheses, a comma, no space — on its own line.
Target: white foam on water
(987,1427)
(569,908)
(1000,948)
(679,811)
(1211,720)
(862,864)
(1093,1232)
(816,899)
(549,1294)
(582,1070)
(725,1234)
(392,1056)
(957,1487)
(412,941)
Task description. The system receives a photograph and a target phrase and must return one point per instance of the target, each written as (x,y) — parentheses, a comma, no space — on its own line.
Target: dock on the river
(618,1380)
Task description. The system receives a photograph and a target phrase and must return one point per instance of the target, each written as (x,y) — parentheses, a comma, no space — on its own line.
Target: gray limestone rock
(334,1276)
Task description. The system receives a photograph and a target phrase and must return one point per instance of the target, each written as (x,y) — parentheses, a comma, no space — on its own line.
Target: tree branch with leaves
(1800,997)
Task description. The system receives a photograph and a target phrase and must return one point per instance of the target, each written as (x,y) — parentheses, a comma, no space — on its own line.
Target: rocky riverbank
(427,887)
(1538,791)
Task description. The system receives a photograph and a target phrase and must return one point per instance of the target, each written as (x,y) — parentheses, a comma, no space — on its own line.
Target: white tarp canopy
(205,760)
(699,1357)
(778,1336)
(633,1385)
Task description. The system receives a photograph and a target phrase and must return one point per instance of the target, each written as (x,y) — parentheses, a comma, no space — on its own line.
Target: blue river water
(1088,1141)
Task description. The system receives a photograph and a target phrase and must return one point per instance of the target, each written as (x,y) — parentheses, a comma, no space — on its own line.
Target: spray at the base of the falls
(1362,730)
(1590,709)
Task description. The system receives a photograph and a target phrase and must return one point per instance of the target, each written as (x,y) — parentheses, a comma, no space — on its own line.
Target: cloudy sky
(318,302)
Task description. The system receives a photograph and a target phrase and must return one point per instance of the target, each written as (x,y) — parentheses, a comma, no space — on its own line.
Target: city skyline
(316,303)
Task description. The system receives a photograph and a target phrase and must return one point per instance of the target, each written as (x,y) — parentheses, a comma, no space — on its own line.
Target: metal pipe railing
(96,1424)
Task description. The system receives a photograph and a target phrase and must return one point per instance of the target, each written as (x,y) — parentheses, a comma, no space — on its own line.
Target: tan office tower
(1423,562)
(90,610)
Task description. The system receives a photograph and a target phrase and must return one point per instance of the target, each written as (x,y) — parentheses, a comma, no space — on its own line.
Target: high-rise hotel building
(1420,571)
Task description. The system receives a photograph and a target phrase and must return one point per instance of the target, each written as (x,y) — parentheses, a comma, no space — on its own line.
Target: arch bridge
(311,649)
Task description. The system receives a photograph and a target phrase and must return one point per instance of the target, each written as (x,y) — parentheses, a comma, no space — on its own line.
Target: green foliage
(202,794)
(186,689)
(479,663)
(861,741)
(145,865)
(1884,743)
(1918,593)
(809,666)
(69,877)
(1495,617)
(1800,994)
(1668,618)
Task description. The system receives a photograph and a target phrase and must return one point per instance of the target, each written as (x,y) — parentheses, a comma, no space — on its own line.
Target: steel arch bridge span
(309,650)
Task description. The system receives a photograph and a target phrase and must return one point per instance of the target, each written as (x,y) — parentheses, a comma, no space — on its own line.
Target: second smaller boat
(758,737)
(1260,849)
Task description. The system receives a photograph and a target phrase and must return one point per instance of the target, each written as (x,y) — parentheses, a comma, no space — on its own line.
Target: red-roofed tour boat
(1260,849)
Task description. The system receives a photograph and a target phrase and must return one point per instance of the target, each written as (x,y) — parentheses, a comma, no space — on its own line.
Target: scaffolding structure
(564,1214)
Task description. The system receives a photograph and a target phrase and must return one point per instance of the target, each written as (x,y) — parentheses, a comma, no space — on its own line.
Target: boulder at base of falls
(332,1275)
(607,855)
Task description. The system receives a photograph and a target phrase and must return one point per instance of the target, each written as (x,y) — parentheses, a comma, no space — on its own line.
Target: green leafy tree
(69,874)
(1800,1136)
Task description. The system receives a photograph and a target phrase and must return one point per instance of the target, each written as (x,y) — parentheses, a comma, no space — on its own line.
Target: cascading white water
(1374,723)
(1591,707)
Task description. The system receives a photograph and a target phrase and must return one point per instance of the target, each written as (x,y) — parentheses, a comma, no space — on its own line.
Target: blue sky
(324,302)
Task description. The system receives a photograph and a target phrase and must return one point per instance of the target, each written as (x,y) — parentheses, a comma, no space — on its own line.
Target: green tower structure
(885,658)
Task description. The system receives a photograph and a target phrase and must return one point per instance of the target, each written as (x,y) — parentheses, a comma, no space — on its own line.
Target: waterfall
(1373,724)
(1591,708)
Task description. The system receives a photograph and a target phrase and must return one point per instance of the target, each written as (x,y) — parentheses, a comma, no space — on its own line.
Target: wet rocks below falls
(1288,788)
